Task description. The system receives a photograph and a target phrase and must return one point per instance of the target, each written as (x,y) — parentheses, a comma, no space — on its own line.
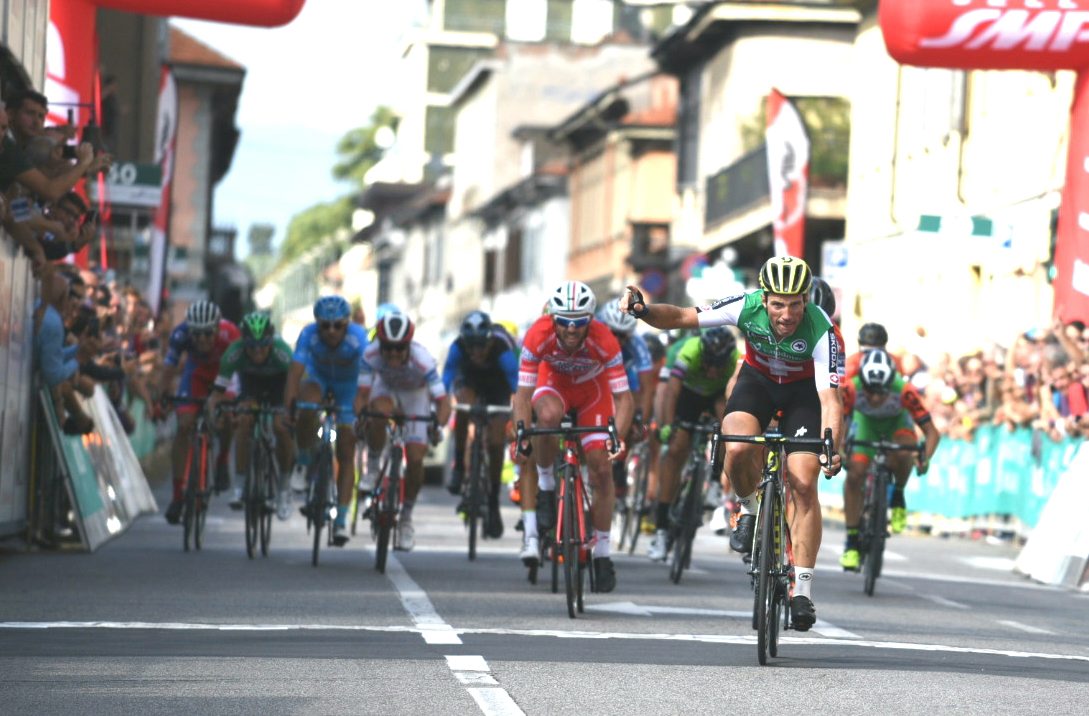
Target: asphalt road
(140,627)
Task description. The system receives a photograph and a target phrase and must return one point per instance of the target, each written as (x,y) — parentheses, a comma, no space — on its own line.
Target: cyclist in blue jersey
(328,357)
(481,364)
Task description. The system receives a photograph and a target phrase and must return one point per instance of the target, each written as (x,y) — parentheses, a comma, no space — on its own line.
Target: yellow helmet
(785,275)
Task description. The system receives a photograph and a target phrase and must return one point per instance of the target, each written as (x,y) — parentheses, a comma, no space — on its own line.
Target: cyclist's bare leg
(182,440)
(345,468)
(285,446)
(306,427)
(742,465)
(376,429)
(244,431)
(465,396)
(496,443)
(414,470)
(549,410)
(852,490)
(805,522)
(901,461)
(669,470)
(603,490)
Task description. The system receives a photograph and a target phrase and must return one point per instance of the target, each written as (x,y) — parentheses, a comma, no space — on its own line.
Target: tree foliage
(357,152)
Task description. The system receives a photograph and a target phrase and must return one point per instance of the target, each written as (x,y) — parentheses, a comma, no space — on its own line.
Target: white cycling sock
(601,543)
(748,504)
(546,480)
(803,582)
(529,523)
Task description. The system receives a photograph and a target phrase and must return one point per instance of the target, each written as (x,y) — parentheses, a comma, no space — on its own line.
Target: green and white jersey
(235,360)
(690,368)
(810,352)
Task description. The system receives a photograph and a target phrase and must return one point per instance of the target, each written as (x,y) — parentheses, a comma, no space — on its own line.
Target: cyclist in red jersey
(569,361)
(202,338)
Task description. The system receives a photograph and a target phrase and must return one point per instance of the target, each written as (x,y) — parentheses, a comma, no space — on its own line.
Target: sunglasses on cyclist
(332,325)
(564,322)
(201,332)
(392,348)
(264,343)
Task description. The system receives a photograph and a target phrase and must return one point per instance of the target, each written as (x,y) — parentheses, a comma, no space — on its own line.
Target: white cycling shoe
(659,546)
(405,536)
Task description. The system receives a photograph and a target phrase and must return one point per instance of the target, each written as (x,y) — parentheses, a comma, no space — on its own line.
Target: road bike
(196,492)
(573,542)
(771,568)
(631,507)
(321,487)
(385,501)
(874,524)
(476,489)
(687,510)
(263,478)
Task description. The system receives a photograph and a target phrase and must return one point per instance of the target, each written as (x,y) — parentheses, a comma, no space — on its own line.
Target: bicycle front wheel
(200,499)
(639,472)
(473,499)
(569,540)
(685,529)
(268,486)
(319,510)
(385,514)
(764,615)
(249,493)
(877,527)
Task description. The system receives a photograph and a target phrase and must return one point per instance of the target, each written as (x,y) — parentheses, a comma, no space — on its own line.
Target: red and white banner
(1015,34)
(788,174)
(165,143)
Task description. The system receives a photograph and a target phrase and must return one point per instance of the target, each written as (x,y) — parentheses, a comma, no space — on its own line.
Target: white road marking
(495,702)
(1024,627)
(553,633)
(942,601)
(997,564)
(419,607)
(460,662)
(473,669)
(630,608)
(832,631)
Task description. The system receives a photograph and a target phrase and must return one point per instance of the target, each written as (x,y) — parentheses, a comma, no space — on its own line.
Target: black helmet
(821,294)
(877,370)
(476,328)
(718,343)
(873,334)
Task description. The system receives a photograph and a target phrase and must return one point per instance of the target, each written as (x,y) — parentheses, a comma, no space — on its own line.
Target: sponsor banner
(1072,234)
(987,35)
(788,174)
(165,142)
(106,485)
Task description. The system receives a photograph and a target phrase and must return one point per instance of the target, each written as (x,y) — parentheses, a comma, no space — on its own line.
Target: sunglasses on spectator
(332,325)
(565,322)
(393,348)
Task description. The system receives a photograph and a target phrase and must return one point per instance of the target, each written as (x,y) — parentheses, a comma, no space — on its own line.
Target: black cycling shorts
(264,389)
(493,388)
(762,397)
(691,405)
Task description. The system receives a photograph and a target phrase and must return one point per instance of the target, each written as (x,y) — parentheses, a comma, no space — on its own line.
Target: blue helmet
(384,309)
(331,308)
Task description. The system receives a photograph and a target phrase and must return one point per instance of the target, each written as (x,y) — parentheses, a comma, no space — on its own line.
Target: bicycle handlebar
(399,418)
(886,446)
(772,439)
(475,409)
(239,409)
(522,434)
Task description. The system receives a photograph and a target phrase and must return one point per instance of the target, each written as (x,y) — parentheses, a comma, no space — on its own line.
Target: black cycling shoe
(741,539)
(802,613)
(493,529)
(546,509)
(457,477)
(604,574)
(174,512)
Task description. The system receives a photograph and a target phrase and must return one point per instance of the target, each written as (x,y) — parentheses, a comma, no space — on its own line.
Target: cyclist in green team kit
(261,359)
(791,364)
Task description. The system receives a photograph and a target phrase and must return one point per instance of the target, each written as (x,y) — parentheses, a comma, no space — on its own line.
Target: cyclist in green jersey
(261,359)
(791,365)
(883,406)
(697,385)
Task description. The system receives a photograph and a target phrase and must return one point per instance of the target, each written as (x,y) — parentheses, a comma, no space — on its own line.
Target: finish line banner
(106,485)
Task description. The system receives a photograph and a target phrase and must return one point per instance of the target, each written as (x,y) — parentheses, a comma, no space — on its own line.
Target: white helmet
(202,315)
(618,321)
(572,298)
(877,370)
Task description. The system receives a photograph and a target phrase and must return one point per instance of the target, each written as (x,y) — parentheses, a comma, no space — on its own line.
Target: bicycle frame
(572,541)
(321,495)
(263,477)
(478,482)
(195,491)
(771,566)
(689,506)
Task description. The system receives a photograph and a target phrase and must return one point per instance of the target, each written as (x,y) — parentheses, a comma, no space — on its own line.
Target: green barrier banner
(998,472)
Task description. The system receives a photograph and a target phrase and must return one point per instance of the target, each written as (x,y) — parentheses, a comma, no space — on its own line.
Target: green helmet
(257,329)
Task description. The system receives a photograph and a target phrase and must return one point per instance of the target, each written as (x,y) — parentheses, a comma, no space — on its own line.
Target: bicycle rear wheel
(473,498)
(249,493)
(639,474)
(568,539)
(877,527)
(385,513)
(764,615)
(189,513)
(200,501)
(319,510)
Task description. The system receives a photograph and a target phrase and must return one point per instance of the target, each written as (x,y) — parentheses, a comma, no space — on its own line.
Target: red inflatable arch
(263,13)
(1024,35)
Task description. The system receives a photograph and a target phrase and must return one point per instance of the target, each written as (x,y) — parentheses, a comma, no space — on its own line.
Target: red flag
(788,174)
(1072,240)
(167,129)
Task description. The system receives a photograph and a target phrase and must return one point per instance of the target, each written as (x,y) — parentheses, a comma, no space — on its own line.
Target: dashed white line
(495,702)
(943,601)
(1024,627)
(419,607)
(485,690)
